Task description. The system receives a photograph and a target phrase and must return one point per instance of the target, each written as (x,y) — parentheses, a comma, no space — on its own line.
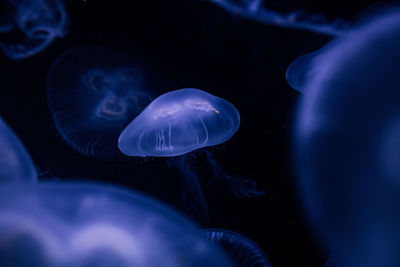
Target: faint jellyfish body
(82,225)
(180,122)
(93,94)
(243,251)
(15,162)
(258,10)
(346,144)
(28,26)
(305,67)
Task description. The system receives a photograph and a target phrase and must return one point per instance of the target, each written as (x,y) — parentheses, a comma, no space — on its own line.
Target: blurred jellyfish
(82,225)
(346,144)
(179,122)
(93,94)
(28,26)
(15,162)
(243,251)
(304,67)
(258,10)
(182,121)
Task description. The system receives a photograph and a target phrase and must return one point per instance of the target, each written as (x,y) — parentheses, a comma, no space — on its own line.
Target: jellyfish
(243,251)
(94,92)
(303,68)
(15,162)
(259,11)
(29,26)
(179,122)
(346,144)
(86,224)
(184,121)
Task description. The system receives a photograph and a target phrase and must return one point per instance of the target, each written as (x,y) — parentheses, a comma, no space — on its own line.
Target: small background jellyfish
(94,92)
(28,26)
(346,144)
(79,225)
(243,251)
(15,162)
(181,121)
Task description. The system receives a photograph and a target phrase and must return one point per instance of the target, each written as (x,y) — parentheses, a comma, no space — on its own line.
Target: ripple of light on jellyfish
(180,122)
(82,224)
(93,94)
(258,10)
(243,251)
(346,135)
(15,162)
(36,23)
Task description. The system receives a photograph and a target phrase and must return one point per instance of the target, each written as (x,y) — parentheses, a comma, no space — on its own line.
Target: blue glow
(178,122)
(243,251)
(79,225)
(347,144)
(15,162)
(258,10)
(36,22)
(305,67)
(93,94)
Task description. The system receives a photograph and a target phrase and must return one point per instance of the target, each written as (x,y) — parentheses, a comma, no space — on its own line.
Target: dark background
(195,44)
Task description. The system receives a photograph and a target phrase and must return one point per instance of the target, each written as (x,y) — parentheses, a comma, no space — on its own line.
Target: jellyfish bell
(29,26)
(15,163)
(346,134)
(178,122)
(303,68)
(93,94)
(243,251)
(83,224)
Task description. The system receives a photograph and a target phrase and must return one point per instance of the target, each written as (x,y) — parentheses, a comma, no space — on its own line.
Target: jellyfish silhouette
(346,144)
(15,162)
(180,122)
(243,251)
(29,26)
(94,92)
(81,224)
(258,10)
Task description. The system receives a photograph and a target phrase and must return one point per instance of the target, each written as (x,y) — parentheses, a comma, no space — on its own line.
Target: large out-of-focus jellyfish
(347,144)
(28,26)
(93,94)
(258,10)
(82,225)
(179,122)
(15,162)
(243,251)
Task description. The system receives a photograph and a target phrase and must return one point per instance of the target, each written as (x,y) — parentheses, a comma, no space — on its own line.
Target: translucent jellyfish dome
(29,26)
(347,144)
(243,251)
(81,225)
(94,92)
(15,162)
(178,122)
